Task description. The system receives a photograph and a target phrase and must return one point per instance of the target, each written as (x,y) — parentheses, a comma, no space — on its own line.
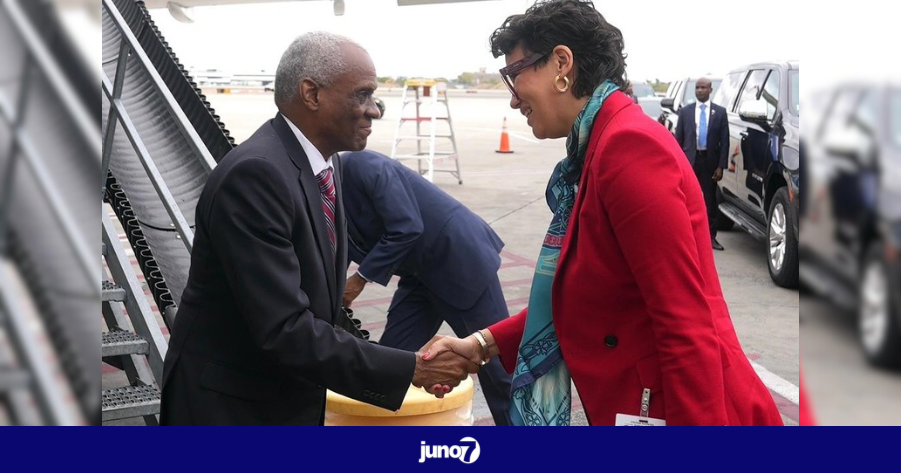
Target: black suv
(679,94)
(852,220)
(759,190)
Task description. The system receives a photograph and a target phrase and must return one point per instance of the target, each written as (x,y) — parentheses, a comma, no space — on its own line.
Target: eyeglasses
(510,72)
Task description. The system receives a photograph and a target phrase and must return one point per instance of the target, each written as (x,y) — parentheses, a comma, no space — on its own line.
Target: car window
(795,93)
(688,97)
(715,86)
(838,115)
(642,89)
(725,96)
(673,88)
(866,115)
(771,94)
(752,86)
(895,117)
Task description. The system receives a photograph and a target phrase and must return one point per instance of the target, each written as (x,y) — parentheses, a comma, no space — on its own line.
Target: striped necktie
(329,197)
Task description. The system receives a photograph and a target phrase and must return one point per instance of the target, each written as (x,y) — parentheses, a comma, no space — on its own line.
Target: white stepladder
(427,96)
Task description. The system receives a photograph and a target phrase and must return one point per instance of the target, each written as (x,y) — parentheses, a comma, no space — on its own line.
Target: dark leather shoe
(717,246)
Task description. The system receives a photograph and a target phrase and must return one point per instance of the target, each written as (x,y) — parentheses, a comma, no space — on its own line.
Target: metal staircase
(48,153)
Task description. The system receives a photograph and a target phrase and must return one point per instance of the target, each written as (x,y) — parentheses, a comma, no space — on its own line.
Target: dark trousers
(416,317)
(704,172)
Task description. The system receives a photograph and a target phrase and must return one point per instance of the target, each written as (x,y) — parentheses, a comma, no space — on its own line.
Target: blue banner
(459,449)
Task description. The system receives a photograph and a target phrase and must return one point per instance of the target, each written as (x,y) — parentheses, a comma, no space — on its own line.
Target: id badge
(635,421)
(642,420)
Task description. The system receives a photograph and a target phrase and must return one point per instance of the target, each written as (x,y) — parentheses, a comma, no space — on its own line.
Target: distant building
(217,78)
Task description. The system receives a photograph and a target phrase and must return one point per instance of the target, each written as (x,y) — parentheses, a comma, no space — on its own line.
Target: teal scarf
(541,381)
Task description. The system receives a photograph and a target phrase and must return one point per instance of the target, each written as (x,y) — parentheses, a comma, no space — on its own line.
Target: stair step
(111,292)
(121,342)
(755,228)
(130,401)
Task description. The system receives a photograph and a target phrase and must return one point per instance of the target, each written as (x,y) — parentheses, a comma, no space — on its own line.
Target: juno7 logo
(468,452)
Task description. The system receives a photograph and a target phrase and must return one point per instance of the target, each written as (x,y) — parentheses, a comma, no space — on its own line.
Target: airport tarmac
(507,190)
(842,388)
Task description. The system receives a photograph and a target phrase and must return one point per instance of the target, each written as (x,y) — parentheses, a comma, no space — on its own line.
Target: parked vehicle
(759,189)
(852,222)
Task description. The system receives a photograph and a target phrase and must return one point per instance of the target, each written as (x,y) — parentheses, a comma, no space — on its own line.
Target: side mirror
(849,143)
(669,104)
(753,111)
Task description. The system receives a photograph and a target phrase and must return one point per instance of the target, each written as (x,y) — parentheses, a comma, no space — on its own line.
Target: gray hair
(315,55)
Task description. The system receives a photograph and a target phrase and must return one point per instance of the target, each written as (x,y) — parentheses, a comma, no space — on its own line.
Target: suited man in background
(254,341)
(447,258)
(703,134)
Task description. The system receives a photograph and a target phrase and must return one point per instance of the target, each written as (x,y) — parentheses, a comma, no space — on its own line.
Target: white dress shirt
(317,162)
(702,146)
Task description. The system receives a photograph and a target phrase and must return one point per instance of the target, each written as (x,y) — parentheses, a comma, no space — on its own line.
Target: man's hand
(441,373)
(353,288)
(468,348)
(718,175)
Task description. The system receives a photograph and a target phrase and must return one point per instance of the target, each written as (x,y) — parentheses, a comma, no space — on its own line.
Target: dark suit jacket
(400,223)
(253,342)
(717,135)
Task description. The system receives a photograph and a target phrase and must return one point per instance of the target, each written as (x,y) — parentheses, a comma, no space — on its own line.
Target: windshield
(689,98)
(793,98)
(642,89)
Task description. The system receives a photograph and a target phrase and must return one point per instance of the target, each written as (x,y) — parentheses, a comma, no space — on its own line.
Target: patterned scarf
(541,381)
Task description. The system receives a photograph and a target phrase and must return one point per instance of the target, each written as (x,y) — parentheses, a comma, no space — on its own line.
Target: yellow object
(419,408)
(420,82)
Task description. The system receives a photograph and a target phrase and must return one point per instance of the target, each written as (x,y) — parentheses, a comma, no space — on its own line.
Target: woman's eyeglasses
(510,72)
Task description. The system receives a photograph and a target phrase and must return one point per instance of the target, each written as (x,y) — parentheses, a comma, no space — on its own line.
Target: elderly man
(254,341)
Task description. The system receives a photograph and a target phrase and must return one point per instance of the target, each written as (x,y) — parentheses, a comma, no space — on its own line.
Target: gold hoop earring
(565,83)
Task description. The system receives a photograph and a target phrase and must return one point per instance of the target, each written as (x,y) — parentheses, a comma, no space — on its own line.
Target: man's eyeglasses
(510,72)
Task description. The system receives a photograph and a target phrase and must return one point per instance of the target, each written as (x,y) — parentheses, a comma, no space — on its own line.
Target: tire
(782,248)
(878,317)
(723,222)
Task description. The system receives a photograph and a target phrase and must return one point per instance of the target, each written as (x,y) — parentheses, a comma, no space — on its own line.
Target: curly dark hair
(597,45)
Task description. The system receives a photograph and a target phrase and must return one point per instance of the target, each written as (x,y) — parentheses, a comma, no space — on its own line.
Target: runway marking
(778,385)
(523,137)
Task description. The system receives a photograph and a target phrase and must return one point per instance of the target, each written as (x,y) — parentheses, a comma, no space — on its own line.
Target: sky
(664,39)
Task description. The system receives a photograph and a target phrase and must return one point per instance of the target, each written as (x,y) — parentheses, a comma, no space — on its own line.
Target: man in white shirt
(703,134)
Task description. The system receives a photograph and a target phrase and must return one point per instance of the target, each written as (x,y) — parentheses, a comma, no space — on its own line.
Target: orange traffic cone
(505,140)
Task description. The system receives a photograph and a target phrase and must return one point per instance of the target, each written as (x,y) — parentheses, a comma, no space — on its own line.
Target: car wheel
(723,222)
(878,322)
(782,257)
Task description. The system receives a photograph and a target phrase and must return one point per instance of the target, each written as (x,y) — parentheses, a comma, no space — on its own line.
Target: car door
(854,188)
(753,145)
(686,90)
(836,196)
(726,98)
(669,117)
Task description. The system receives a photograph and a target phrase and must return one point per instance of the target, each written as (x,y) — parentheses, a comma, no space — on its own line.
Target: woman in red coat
(626,301)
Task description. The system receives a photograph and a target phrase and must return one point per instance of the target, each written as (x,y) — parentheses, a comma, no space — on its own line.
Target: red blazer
(637,300)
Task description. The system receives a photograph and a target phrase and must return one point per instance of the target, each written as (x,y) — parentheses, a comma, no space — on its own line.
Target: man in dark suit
(254,341)
(703,133)
(447,258)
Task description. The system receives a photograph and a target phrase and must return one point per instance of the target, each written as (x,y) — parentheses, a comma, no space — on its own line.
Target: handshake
(445,361)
